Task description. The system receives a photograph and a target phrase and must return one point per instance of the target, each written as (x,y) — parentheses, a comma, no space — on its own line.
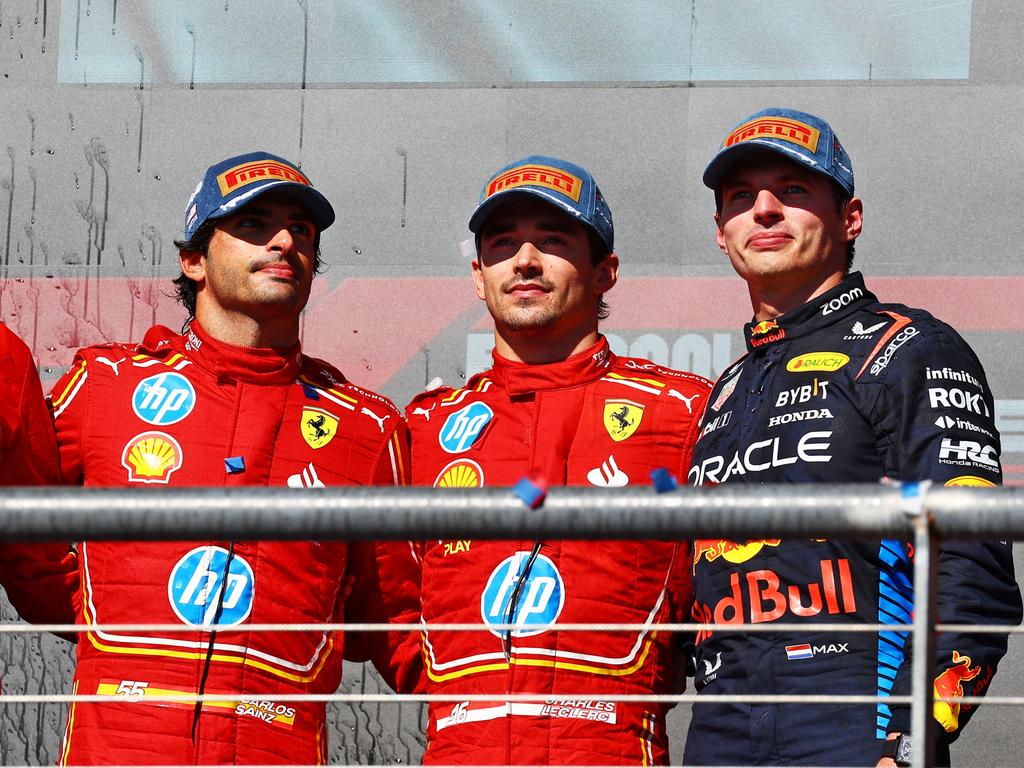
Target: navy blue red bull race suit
(842,389)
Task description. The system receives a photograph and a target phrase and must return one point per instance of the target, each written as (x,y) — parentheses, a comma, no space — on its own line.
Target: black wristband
(900,749)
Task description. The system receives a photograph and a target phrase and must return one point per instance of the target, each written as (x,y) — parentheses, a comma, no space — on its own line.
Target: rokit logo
(960,399)
(968,453)
(833,305)
(812,447)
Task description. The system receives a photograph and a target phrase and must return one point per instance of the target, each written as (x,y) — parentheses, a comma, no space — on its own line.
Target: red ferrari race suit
(40,578)
(594,419)
(187,410)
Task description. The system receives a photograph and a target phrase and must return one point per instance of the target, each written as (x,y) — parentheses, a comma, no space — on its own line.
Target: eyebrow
(299,214)
(555,225)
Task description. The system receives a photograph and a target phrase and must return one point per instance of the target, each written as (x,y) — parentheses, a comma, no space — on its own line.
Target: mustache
(259,262)
(539,281)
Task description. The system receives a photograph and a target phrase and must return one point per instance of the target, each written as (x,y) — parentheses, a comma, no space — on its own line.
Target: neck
(539,349)
(771,300)
(243,330)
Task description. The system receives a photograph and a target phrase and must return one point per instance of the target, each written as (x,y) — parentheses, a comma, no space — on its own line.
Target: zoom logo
(540,600)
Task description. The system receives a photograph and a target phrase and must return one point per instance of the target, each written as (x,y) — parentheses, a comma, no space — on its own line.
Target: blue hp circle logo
(164,399)
(463,427)
(198,584)
(541,596)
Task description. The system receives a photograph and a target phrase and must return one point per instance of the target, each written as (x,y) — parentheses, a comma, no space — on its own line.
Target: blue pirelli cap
(233,183)
(565,185)
(799,136)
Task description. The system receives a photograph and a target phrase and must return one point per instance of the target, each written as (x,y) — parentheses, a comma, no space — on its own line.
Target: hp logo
(541,596)
(164,399)
(463,427)
(198,584)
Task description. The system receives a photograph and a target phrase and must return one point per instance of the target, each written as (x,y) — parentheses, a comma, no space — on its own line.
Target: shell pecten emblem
(461,473)
(151,457)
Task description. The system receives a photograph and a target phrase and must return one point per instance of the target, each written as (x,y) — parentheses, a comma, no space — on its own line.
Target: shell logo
(461,473)
(970,481)
(151,457)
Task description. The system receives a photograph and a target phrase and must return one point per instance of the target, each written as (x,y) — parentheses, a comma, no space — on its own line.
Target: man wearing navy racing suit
(835,387)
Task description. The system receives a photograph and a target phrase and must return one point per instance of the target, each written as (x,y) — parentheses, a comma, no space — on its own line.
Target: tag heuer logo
(318,427)
(622,418)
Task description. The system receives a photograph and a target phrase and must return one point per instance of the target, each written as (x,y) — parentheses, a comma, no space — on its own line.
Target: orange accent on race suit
(733,551)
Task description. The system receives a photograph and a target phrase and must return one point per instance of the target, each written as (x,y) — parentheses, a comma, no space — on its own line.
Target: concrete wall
(94,176)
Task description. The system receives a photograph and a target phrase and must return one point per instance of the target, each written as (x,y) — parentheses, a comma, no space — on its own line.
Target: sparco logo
(968,452)
(901,338)
(839,302)
(762,455)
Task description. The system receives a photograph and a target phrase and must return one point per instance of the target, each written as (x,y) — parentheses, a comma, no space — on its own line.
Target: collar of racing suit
(254,365)
(819,312)
(583,367)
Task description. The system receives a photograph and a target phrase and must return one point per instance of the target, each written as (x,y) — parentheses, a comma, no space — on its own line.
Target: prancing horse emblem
(318,427)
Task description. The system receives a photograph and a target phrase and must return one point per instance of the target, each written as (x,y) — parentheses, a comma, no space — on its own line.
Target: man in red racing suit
(40,577)
(560,404)
(231,402)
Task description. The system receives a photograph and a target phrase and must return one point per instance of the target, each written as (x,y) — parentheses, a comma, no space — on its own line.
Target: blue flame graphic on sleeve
(541,600)
(164,399)
(198,580)
(463,427)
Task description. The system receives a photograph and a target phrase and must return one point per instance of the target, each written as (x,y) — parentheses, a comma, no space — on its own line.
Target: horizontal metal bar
(737,512)
(57,629)
(452,698)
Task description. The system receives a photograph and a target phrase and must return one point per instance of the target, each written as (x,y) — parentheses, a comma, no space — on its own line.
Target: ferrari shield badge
(318,427)
(621,418)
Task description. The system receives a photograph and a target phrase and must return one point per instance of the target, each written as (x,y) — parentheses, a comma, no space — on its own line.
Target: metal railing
(915,512)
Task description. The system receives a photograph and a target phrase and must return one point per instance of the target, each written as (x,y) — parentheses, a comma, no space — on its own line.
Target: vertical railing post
(926,561)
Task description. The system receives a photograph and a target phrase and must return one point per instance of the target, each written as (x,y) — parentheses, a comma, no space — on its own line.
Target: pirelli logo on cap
(538,176)
(258,170)
(783,128)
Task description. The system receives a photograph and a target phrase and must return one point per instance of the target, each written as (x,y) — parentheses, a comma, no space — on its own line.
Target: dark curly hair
(185,288)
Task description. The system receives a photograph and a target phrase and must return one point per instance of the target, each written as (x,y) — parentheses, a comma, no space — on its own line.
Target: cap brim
(726,158)
(311,198)
(476,221)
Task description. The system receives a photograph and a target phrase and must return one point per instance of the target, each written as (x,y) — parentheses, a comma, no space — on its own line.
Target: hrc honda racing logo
(812,447)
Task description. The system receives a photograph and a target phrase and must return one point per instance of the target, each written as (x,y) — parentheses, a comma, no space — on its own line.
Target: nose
(282,241)
(527,259)
(767,208)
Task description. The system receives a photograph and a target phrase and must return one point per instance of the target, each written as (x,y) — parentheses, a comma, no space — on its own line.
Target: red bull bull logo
(765,332)
(731,551)
(949,685)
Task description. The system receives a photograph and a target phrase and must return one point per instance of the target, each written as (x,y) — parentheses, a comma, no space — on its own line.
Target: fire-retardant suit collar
(581,368)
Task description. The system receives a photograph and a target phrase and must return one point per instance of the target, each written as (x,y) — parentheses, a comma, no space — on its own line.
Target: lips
(768,239)
(278,269)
